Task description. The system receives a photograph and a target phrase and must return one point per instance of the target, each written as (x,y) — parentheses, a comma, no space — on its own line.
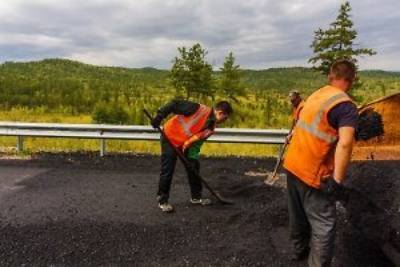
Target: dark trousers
(312,221)
(168,162)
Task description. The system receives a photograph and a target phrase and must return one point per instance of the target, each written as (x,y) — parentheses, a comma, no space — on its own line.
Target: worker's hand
(185,147)
(330,186)
(156,121)
(335,190)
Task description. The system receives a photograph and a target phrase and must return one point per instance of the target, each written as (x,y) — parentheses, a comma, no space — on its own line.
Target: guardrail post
(102,147)
(20,143)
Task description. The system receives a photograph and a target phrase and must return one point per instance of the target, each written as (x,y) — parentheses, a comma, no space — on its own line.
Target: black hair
(224,106)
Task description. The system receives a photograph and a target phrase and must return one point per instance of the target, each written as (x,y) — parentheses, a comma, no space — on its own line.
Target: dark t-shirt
(343,114)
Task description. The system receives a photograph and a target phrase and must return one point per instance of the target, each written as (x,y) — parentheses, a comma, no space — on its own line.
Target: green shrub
(110,114)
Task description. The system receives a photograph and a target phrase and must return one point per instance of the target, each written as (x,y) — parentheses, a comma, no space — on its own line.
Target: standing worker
(316,163)
(187,130)
(297,104)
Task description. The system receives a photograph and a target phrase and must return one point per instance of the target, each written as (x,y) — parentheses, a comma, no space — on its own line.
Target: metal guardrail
(136,132)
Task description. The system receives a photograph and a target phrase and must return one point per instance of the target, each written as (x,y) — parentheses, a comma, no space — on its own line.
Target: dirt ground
(82,210)
(376,152)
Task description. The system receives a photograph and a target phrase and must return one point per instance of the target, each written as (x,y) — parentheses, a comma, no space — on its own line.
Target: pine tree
(192,73)
(230,82)
(337,42)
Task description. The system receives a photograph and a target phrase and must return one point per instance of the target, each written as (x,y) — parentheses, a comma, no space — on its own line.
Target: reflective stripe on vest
(312,128)
(203,110)
(180,128)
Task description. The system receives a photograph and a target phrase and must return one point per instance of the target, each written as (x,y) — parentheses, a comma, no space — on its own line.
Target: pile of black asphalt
(82,210)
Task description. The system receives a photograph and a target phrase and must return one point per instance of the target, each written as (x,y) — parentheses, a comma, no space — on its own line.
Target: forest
(117,95)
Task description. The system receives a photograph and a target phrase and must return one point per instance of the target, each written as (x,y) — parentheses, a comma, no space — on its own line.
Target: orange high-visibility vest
(310,155)
(296,111)
(180,128)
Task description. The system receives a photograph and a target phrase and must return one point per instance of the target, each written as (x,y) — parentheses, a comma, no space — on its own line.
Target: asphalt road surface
(82,210)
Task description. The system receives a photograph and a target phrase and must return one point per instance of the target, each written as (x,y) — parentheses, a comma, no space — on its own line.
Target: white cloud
(261,33)
(31,39)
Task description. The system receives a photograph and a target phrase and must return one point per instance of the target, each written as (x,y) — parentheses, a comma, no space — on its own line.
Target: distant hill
(62,82)
(280,79)
(69,69)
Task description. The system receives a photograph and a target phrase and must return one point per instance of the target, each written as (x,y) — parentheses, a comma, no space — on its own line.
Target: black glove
(156,121)
(369,125)
(330,186)
(335,190)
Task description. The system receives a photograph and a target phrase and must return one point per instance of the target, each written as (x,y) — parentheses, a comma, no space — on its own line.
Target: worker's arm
(180,107)
(203,135)
(343,152)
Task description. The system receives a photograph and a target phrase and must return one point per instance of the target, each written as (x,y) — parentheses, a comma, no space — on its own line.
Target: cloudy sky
(139,33)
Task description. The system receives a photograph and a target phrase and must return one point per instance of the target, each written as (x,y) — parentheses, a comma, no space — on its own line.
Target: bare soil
(82,210)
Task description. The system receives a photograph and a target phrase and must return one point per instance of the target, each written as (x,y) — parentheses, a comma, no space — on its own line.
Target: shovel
(186,163)
(271,178)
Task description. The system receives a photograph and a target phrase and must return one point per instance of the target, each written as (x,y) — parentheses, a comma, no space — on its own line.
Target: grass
(41,115)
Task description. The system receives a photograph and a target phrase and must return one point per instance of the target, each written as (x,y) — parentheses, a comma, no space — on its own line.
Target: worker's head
(342,74)
(222,110)
(295,98)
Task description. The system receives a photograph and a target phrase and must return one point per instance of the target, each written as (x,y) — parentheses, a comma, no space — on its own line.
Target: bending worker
(187,130)
(316,163)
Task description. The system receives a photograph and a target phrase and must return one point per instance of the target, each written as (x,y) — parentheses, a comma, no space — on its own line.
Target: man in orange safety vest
(187,130)
(316,163)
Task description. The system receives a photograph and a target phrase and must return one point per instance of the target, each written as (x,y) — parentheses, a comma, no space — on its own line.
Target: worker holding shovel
(316,163)
(297,105)
(187,130)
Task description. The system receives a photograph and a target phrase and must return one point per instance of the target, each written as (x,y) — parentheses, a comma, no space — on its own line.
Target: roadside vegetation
(65,91)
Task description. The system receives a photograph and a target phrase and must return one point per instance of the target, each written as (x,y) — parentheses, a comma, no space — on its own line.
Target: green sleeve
(194,150)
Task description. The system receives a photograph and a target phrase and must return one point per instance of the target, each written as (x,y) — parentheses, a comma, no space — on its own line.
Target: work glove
(329,185)
(369,125)
(156,121)
(334,190)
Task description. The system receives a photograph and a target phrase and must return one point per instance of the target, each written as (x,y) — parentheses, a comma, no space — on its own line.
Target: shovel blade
(271,179)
